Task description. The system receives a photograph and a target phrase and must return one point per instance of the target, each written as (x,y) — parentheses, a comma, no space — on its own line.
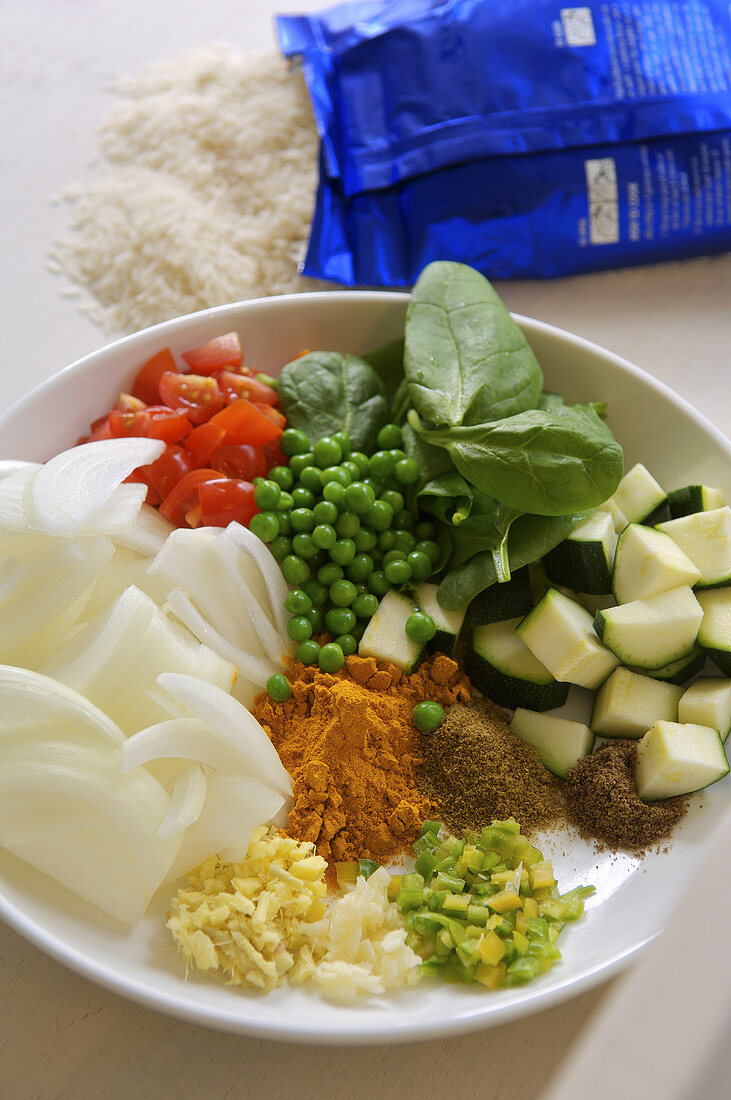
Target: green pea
(393,555)
(298,602)
(283,476)
(404,540)
(360,567)
(378,583)
(324,536)
(265,526)
(298,463)
(325,512)
(394,498)
(380,516)
(299,628)
(285,503)
(389,436)
(329,573)
(310,479)
(343,551)
(293,442)
(335,473)
(398,572)
(425,529)
(365,540)
(360,588)
(420,627)
(359,629)
(347,643)
(295,570)
(365,605)
(406,471)
(375,483)
(302,519)
(278,688)
(334,493)
(340,620)
(267,494)
(308,652)
(280,547)
(430,548)
(342,593)
(362,462)
(327,452)
(345,442)
(303,546)
(316,591)
(377,555)
(359,497)
(303,498)
(331,658)
(421,566)
(382,464)
(352,469)
(347,525)
(386,540)
(404,520)
(398,454)
(428,716)
(316,618)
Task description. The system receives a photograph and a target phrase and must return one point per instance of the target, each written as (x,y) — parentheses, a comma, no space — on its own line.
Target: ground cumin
(603,804)
(349,742)
(478,770)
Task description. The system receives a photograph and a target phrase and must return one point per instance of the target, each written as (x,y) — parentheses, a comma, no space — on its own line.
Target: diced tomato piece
(244,422)
(198,395)
(202,442)
(224,351)
(271,414)
(137,477)
(227,500)
(147,382)
(240,460)
(127,403)
(152,421)
(273,455)
(167,470)
(239,385)
(182,503)
(99,429)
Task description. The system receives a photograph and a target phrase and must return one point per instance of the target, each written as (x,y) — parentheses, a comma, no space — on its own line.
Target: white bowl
(634,898)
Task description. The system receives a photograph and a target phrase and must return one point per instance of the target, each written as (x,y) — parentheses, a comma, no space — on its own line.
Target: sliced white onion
(270,638)
(186,803)
(233,722)
(15,465)
(235,805)
(70,489)
(12,488)
(276,585)
(31,699)
(147,534)
(124,568)
(184,739)
(119,512)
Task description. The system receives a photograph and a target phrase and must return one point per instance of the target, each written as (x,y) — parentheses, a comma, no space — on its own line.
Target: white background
(59,1035)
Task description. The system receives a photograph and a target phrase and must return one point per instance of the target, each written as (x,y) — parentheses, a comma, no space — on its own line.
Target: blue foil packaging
(523,137)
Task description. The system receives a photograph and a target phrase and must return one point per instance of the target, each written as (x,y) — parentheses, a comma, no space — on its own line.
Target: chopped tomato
(227,500)
(240,460)
(147,382)
(198,395)
(167,470)
(239,385)
(244,422)
(99,429)
(127,403)
(153,421)
(271,414)
(182,504)
(273,455)
(202,442)
(138,477)
(224,351)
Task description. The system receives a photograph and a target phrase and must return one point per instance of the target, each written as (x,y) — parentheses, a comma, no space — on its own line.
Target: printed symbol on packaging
(601,187)
(578,26)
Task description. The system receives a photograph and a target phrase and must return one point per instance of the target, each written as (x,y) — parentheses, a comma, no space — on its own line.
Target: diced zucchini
(715,630)
(647,562)
(502,667)
(707,702)
(627,704)
(448,623)
(675,758)
(560,633)
(559,742)
(584,560)
(677,672)
(706,539)
(694,498)
(636,497)
(653,632)
(503,601)
(385,636)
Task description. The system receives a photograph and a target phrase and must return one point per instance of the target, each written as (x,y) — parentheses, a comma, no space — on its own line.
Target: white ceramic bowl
(633,899)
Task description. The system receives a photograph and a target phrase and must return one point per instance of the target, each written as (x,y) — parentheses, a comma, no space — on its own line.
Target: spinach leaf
(548,462)
(325,392)
(448,498)
(433,461)
(529,538)
(401,403)
(388,363)
(466,360)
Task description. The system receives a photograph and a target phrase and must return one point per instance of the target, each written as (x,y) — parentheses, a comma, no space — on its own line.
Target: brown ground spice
(350,744)
(603,804)
(478,770)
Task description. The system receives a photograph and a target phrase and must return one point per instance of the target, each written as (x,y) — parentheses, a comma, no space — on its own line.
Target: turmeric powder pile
(350,744)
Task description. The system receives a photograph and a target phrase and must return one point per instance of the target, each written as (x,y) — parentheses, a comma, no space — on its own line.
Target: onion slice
(277,587)
(184,739)
(186,803)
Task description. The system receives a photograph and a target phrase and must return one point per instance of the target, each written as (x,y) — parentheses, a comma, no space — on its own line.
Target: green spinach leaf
(325,392)
(433,461)
(388,363)
(466,360)
(448,498)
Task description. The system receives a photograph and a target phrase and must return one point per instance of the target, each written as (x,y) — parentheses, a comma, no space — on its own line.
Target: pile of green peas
(336,521)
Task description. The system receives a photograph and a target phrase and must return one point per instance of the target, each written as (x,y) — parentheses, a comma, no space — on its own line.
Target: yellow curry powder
(350,744)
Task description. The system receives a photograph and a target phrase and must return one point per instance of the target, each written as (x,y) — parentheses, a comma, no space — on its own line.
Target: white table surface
(60,1036)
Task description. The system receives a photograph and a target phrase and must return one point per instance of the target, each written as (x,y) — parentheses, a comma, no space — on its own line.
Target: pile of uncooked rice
(204,192)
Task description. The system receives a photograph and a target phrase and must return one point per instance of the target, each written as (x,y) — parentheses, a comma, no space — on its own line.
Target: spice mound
(603,803)
(479,771)
(350,744)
